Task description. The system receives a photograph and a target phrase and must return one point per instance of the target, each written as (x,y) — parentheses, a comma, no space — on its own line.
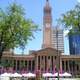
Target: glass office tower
(74,44)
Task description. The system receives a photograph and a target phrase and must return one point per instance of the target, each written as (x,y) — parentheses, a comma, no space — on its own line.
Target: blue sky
(34,11)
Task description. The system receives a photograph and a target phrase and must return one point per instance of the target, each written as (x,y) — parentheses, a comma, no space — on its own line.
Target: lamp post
(58,67)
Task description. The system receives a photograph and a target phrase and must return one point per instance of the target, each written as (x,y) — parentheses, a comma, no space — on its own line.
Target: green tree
(15,29)
(3,63)
(9,63)
(71,19)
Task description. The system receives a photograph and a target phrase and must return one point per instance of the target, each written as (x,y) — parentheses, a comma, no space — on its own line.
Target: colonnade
(29,65)
(46,63)
(71,66)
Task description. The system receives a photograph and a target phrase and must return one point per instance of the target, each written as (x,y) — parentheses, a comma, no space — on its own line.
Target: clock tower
(47,26)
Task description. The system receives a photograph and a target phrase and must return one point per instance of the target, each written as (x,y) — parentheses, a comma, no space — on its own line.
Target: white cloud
(78,1)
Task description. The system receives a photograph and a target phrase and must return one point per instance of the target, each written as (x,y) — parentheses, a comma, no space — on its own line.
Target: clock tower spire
(47,23)
(47,13)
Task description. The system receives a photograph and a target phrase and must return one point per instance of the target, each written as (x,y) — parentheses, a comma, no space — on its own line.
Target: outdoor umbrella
(16,75)
(47,75)
(56,75)
(67,74)
(29,75)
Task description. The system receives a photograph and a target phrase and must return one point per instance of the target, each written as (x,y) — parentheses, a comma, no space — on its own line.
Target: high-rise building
(74,44)
(52,37)
(58,39)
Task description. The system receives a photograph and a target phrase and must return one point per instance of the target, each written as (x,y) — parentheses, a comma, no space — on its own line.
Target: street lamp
(57,51)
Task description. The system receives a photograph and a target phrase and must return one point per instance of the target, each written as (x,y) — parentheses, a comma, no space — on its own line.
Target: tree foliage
(9,63)
(71,19)
(15,29)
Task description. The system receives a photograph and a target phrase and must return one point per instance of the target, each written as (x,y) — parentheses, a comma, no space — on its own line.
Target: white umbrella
(16,75)
(56,74)
(30,75)
(24,74)
(47,75)
(61,75)
(5,75)
(67,74)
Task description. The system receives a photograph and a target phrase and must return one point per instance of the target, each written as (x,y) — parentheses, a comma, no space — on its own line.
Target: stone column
(40,63)
(50,64)
(16,64)
(68,67)
(44,63)
(47,62)
(27,65)
(72,66)
(31,65)
(20,64)
(75,67)
(36,62)
(65,66)
(60,65)
(54,65)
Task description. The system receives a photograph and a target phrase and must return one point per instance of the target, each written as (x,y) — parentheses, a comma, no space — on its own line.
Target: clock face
(47,25)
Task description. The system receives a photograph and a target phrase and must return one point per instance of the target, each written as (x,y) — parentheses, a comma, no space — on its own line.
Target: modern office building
(58,39)
(74,44)
(52,36)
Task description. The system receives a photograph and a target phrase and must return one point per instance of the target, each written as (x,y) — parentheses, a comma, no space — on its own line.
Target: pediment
(48,51)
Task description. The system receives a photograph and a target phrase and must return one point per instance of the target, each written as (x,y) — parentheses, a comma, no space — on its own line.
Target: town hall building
(50,57)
